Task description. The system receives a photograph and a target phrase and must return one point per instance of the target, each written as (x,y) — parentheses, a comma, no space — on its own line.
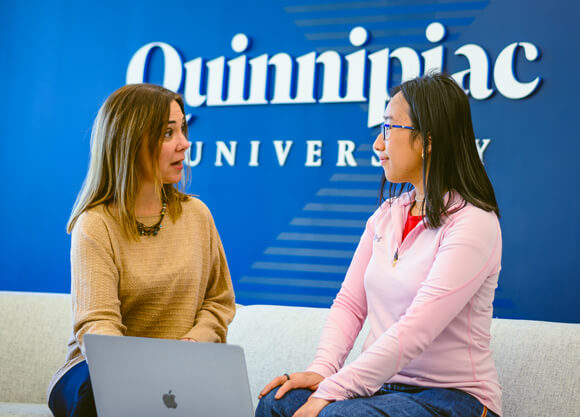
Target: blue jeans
(392,400)
(72,396)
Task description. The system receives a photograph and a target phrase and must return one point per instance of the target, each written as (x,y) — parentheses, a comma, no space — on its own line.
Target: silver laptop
(142,377)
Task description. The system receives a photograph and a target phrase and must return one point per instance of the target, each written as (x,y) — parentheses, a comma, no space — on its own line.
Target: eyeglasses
(387,128)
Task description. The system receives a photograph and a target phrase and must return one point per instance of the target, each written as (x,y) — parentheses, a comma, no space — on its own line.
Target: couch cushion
(538,367)
(34,334)
(24,410)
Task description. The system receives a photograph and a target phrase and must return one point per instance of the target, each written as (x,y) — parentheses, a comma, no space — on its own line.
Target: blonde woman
(146,259)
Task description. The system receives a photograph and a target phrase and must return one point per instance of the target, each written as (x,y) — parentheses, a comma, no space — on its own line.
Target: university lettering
(293,80)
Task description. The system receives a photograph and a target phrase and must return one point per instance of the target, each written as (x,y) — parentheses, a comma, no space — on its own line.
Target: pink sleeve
(469,252)
(348,312)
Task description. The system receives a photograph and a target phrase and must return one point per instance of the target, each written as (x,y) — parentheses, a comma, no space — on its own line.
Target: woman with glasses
(146,259)
(424,275)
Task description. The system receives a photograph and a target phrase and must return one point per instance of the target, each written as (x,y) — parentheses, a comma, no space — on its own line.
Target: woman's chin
(388,175)
(172,180)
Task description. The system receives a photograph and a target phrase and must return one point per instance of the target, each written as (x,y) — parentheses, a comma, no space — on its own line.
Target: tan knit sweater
(174,285)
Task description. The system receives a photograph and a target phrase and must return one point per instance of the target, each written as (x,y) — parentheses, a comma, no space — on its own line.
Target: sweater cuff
(202,334)
(330,391)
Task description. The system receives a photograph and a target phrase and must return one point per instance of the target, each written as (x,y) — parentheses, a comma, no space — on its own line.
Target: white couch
(538,362)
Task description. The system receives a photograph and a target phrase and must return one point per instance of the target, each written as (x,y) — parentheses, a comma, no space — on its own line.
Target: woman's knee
(72,395)
(283,407)
(266,405)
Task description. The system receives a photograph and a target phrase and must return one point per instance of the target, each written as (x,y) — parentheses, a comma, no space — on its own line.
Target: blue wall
(61,60)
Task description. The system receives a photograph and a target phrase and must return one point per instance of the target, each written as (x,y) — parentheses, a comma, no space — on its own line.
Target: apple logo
(169,400)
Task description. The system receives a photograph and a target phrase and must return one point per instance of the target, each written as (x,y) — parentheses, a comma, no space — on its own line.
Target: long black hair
(439,111)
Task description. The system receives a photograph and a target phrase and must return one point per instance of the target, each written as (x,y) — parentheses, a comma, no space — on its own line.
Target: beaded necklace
(152,230)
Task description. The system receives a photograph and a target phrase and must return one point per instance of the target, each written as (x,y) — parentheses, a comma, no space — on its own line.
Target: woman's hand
(187,339)
(309,380)
(311,408)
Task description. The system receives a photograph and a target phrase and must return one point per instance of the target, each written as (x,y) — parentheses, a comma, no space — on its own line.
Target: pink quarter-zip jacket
(429,303)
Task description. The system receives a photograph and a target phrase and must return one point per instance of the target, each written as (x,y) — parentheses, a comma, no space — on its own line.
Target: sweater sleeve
(94,280)
(218,307)
(469,252)
(348,312)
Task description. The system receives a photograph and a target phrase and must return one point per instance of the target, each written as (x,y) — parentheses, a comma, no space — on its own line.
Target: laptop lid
(145,377)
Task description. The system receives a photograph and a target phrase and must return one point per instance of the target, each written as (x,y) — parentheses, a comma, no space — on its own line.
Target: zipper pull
(396,257)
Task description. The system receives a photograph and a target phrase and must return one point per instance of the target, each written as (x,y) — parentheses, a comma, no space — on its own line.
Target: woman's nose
(183,143)
(379,144)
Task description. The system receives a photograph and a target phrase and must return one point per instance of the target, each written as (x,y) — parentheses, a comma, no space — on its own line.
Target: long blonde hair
(133,116)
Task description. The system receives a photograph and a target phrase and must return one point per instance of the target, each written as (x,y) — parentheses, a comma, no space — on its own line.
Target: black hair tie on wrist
(287,377)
